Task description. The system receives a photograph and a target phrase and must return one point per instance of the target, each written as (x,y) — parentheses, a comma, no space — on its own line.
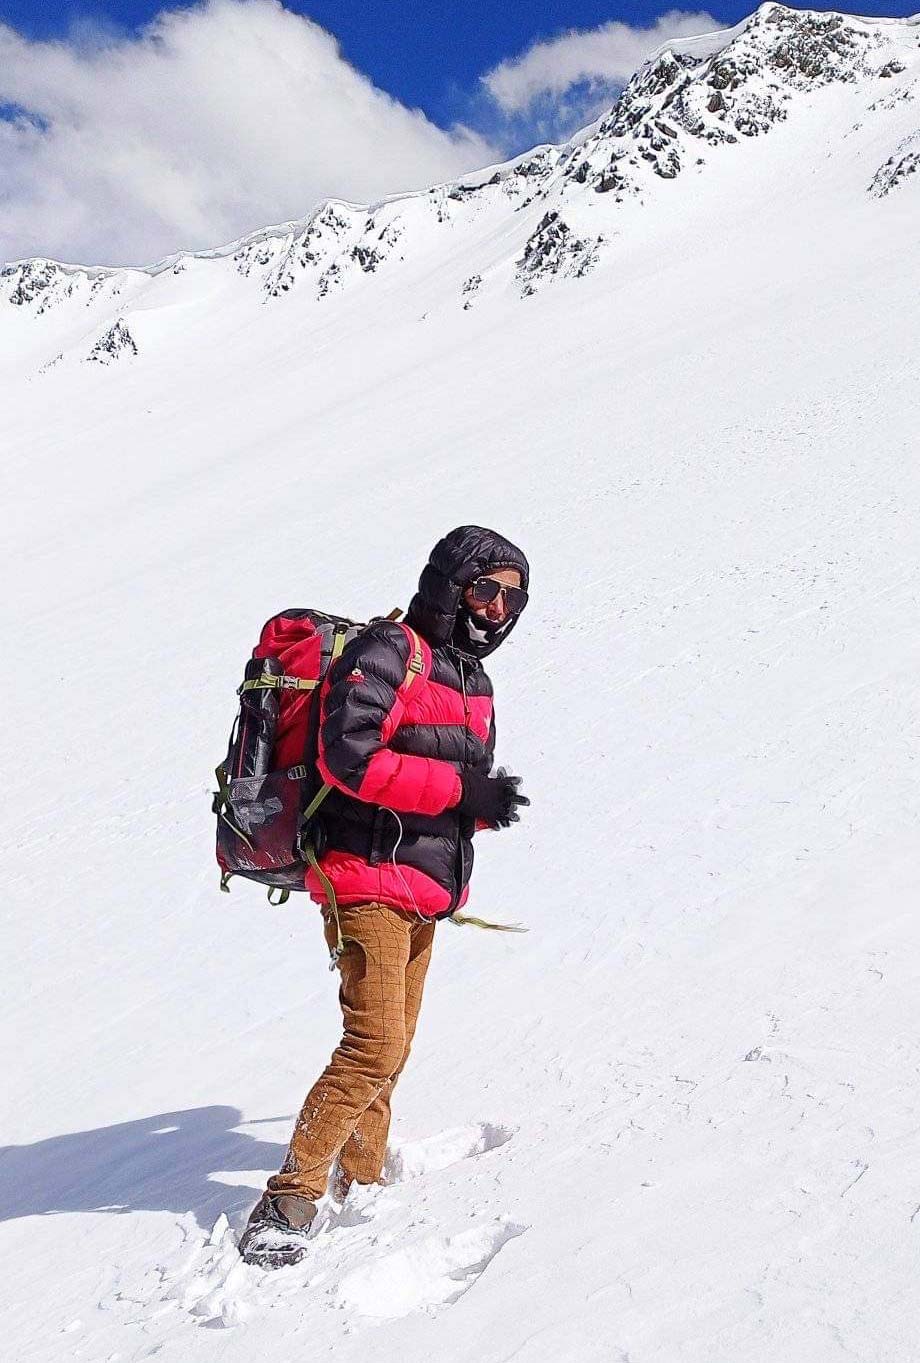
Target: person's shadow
(159,1163)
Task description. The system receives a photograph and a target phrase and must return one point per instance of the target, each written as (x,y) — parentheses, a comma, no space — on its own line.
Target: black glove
(493,799)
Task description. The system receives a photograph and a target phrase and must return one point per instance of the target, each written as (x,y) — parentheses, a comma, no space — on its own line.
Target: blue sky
(130,130)
(429,53)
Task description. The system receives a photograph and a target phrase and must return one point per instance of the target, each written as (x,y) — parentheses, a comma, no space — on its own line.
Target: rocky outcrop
(116,343)
(37,286)
(899,167)
(554,251)
(679,102)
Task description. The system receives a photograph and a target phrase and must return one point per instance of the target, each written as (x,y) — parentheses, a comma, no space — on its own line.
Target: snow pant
(347,1111)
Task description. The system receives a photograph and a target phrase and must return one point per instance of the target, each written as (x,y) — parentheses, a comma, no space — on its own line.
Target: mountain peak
(555,211)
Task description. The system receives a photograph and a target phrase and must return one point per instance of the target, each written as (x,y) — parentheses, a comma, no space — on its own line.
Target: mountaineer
(410,767)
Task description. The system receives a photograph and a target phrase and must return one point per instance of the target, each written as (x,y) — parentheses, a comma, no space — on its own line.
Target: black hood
(465,554)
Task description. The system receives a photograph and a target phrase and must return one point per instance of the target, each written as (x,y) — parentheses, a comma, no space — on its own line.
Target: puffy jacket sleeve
(487,762)
(360,709)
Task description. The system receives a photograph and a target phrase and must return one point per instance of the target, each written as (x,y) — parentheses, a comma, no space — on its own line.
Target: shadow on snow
(159,1163)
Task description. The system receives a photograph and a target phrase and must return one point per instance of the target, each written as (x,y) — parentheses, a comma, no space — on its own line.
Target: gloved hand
(493,799)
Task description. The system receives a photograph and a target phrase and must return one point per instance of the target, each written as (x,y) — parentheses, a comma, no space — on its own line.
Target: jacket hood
(466,553)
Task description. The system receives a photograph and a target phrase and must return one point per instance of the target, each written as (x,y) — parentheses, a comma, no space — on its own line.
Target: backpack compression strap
(266,682)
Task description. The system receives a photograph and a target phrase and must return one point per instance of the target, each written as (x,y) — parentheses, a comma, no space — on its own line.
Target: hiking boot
(277,1230)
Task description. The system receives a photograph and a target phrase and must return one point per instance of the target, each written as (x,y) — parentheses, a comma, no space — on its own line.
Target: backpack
(269,788)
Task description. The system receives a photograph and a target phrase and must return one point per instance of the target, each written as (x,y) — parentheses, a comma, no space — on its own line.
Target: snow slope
(678,1119)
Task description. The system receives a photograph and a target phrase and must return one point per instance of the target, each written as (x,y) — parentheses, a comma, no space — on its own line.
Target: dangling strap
(283,896)
(336,952)
(466,920)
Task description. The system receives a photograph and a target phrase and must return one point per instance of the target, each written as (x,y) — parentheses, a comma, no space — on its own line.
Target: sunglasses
(486,589)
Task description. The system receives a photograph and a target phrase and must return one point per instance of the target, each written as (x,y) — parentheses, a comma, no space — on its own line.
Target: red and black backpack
(269,788)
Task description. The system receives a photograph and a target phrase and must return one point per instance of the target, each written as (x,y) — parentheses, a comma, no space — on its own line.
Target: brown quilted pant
(347,1111)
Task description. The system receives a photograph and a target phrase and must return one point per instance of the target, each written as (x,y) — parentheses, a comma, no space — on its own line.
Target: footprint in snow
(211,1288)
(214,1286)
(411,1159)
(433,1272)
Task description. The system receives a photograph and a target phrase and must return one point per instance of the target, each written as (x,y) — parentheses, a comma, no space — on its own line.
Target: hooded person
(406,745)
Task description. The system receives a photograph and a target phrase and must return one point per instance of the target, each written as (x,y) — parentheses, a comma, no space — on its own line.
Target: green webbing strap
(314,805)
(466,920)
(222,804)
(266,682)
(283,896)
(310,854)
(338,644)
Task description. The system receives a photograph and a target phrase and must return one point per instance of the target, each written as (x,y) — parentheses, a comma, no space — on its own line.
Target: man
(406,744)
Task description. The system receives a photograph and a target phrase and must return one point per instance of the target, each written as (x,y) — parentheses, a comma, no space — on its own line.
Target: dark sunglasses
(486,589)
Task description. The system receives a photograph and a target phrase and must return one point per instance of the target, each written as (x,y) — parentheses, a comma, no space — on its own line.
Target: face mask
(477,629)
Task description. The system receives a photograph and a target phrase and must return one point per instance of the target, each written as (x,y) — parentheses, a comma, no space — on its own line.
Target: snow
(676,1122)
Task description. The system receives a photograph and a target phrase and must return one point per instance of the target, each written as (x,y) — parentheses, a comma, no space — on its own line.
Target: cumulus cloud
(560,83)
(209,123)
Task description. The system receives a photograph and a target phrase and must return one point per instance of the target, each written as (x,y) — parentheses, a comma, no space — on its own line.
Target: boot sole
(273,1258)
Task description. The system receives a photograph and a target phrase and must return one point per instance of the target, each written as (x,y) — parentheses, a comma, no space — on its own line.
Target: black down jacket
(405,710)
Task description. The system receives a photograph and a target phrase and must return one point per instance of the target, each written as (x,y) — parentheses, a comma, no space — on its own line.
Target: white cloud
(559,84)
(213,121)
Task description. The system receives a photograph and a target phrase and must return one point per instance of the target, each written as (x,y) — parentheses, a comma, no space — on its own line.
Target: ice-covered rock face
(696,103)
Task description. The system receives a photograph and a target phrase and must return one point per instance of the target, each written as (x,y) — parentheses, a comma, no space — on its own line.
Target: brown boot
(277,1230)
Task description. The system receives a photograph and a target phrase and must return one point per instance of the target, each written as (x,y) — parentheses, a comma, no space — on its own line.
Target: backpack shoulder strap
(419,657)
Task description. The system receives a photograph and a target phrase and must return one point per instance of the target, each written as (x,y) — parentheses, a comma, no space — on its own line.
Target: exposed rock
(369,257)
(818,47)
(741,91)
(470,289)
(114,344)
(34,279)
(553,251)
(329,279)
(289,258)
(899,167)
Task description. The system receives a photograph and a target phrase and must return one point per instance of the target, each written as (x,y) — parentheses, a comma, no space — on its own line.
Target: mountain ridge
(690,97)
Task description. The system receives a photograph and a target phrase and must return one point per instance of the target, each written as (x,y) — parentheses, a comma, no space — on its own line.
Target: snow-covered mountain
(675,360)
(844,90)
